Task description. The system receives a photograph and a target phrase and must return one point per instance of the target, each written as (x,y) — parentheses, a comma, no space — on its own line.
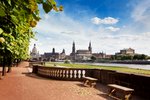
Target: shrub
(67,62)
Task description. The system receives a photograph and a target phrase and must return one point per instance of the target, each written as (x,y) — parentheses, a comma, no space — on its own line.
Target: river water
(137,66)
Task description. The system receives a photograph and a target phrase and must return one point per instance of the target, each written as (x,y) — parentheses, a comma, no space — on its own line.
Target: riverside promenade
(20,84)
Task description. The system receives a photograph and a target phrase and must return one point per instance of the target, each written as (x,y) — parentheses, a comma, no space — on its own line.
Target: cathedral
(34,54)
(81,55)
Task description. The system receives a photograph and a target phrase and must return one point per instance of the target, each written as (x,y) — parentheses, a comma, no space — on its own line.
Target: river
(137,66)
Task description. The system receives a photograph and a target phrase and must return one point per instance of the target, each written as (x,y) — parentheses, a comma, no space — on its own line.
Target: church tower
(53,50)
(90,47)
(73,54)
(73,47)
(63,51)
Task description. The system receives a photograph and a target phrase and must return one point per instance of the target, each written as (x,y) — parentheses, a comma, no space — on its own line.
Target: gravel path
(21,85)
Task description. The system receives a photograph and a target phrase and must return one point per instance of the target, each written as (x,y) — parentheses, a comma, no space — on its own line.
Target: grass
(115,68)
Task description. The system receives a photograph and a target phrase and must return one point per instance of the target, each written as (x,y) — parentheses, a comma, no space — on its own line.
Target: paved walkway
(20,85)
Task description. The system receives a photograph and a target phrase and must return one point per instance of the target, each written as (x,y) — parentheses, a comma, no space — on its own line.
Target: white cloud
(70,32)
(113,29)
(107,20)
(141,13)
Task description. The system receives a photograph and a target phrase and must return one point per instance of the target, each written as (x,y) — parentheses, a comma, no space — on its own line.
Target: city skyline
(110,25)
(80,49)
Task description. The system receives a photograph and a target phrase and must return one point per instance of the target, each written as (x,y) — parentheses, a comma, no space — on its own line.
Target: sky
(110,25)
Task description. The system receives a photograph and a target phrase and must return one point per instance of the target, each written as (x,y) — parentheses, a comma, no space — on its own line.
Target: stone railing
(36,63)
(60,73)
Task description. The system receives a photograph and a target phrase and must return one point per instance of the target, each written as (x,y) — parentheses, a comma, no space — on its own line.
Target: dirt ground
(22,85)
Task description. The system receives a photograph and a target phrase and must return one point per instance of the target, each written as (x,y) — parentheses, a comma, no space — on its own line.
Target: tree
(93,58)
(126,57)
(17,19)
(140,57)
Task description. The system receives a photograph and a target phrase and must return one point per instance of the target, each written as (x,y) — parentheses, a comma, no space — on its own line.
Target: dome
(34,50)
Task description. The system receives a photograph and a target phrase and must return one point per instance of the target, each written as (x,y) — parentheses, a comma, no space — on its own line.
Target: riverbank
(115,68)
(141,62)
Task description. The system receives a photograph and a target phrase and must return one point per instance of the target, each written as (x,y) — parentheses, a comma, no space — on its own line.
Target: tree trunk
(9,69)
(4,66)
(9,61)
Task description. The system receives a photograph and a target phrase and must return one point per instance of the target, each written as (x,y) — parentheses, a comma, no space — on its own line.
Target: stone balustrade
(60,73)
(35,63)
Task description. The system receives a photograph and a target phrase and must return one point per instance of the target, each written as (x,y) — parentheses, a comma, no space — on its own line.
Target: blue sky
(110,25)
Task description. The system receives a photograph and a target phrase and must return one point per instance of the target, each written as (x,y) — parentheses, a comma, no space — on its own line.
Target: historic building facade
(81,55)
(100,55)
(62,55)
(128,51)
(51,56)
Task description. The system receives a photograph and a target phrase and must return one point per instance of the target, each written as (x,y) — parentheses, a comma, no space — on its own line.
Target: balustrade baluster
(69,74)
(56,72)
(83,73)
(75,72)
(60,72)
(66,73)
(63,73)
(53,72)
(79,73)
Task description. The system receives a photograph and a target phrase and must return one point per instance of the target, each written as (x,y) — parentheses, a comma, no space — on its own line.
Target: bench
(89,81)
(117,88)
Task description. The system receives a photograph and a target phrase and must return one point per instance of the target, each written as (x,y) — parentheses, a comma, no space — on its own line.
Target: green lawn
(120,69)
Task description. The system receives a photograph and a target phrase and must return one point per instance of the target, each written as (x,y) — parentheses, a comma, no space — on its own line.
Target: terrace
(22,85)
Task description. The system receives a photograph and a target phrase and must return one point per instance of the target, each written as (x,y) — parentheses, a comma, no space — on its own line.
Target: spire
(53,51)
(73,47)
(90,47)
(63,51)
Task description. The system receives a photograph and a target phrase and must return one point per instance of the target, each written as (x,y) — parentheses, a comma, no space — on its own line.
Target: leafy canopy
(17,18)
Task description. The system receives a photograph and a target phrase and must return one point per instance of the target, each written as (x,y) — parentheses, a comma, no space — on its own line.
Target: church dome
(34,50)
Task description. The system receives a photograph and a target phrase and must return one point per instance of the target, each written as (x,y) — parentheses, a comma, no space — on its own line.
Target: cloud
(60,30)
(141,13)
(113,29)
(69,32)
(114,43)
(107,20)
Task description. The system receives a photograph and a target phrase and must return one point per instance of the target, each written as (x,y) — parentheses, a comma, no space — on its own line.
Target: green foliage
(47,7)
(2,13)
(126,57)
(93,58)
(67,62)
(140,57)
(129,57)
(17,18)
